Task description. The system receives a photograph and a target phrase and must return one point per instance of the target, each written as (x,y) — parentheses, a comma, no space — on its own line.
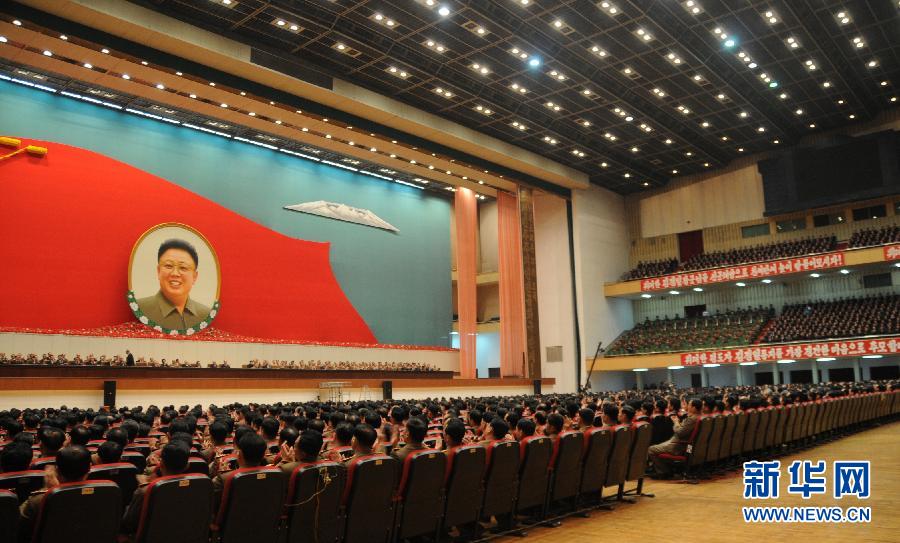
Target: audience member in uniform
(416,430)
(173,461)
(16,456)
(677,444)
(72,465)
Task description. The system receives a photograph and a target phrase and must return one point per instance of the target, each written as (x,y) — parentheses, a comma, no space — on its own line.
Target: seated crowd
(341,365)
(757,253)
(70,443)
(732,328)
(760,253)
(870,237)
(49,359)
(651,269)
(854,317)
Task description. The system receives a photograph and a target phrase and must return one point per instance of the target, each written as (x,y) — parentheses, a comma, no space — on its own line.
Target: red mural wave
(68,222)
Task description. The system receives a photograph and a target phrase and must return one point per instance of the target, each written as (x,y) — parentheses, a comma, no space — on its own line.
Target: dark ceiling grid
(530,28)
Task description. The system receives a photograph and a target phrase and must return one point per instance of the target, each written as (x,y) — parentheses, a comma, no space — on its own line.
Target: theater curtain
(512,297)
(466,231)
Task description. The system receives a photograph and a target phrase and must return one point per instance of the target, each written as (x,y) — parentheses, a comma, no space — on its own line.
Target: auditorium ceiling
(632,92)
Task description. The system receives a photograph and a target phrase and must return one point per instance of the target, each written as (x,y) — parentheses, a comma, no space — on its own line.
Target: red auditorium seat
(314,500)
(368,498)
(251,504)
(463,484)
(637,464)
(9,515)
(684,461)
(121,473)
(749,432)
(598,443)
(197,465)
(176,509)
(135,458)
(500,479)
(534,474)
(41,463)
(419,497)
(619,456)
(22,483)
(565,466)
(87,511)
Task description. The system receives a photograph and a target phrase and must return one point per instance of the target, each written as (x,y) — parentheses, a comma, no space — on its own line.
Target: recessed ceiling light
(626,175)
(658,92)
(858,42)
(667,141)
(770,16)
(798,111)
(693,7)
(706,164)
(609,8)
(761,129)
(635,150)
(483,110)
(884,83)
(704,124)
(724,138)
(872,63)
(674,172)
(586,92)
(586,124)
(743,115)
(17,22)
(48,53)
(598,51)
(740,150)
(851,116)
(518,88)
(88,65)
(604,165)
(826,84)
(160,86)
(443,11)
(646,184)
(776,142)
(843,17)
(689,154)
(643,34)
(783,96)
(193,95)
(792,42)
(812,125)
(126,76)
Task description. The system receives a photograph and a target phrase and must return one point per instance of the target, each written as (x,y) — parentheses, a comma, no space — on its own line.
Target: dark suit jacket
(129,360)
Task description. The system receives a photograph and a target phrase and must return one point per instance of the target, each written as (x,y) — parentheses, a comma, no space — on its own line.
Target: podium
(332,391)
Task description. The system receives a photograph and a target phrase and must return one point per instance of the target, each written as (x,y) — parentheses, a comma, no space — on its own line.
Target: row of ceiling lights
(224,105)
(694,7)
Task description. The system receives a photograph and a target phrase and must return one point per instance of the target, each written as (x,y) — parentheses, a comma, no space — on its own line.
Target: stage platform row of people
(118,361)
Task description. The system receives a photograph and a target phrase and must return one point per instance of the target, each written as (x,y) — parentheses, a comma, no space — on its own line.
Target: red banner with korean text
(892,252)
(744,272)
(770,353)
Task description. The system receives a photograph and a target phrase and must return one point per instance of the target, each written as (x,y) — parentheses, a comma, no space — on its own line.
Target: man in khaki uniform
(176,270)
(677,444)
(72,465)
(173,461)
(415,434)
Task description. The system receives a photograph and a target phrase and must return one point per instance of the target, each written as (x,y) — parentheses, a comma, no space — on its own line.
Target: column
(704,377)
(512,299)
(815,370)
(825,376)
(739,375)
(529,278)
(857,371)
(776,375)
(639,379)
(466,289)
(670,376)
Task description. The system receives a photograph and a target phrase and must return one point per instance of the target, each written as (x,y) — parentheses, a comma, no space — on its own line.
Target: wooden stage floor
(711,510)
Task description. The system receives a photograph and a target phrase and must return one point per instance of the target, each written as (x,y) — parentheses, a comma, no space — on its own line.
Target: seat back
(176,509)
(368,498)
(121,473)
(22,483)
(41,463)
(619,456)
(464,488)
(251,504)
(197,465)
(700,446)
(740,429)
(637,465)
(534,456)
(313,505)
(750,431)
(762,426)
(715,437)
(420,494)
(90,511)
(9,515)
(566,464)
(598,443)
(501,478)
(774,416)
(136,458)
(730,423)
(142,448)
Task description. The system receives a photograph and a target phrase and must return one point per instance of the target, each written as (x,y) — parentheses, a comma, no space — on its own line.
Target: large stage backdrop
(70,220)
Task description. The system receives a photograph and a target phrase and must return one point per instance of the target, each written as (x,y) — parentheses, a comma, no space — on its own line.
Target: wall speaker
(109,393)
(387,388)
(537,386)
